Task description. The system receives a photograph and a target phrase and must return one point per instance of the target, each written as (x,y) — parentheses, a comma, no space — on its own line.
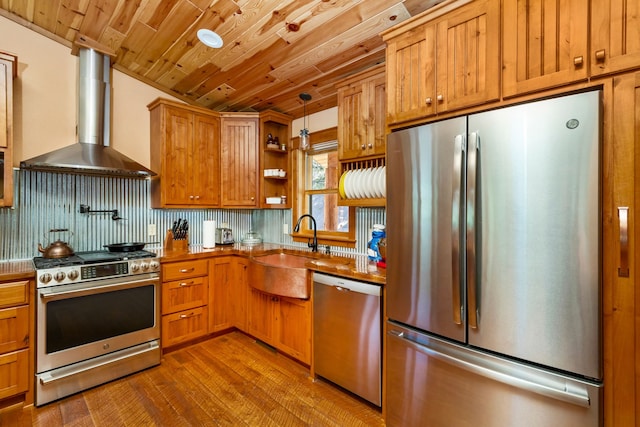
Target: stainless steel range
(98,319)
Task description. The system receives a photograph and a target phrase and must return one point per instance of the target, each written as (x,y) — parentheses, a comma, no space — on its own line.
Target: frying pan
(125,247)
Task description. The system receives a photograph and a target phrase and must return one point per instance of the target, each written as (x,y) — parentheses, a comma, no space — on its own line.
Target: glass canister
(378,236)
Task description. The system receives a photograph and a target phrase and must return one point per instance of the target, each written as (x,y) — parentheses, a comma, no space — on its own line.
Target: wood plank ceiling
(273,49)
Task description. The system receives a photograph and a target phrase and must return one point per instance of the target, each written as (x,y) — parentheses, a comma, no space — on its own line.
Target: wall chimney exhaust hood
(91,155)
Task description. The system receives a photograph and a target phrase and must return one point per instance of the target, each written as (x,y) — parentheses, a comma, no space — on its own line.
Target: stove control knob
(73,274)
(154,265)
(46,278)
(59,276)
(144,266)
(134,267)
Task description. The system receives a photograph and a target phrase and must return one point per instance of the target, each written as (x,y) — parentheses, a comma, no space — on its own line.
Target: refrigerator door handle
(526,379)
(456,302)
(473,149)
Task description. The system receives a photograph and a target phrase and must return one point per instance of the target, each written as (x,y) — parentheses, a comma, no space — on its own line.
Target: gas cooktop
(90,257)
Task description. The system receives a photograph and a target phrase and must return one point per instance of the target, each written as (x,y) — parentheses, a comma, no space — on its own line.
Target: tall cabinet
(8,71)
(239,160)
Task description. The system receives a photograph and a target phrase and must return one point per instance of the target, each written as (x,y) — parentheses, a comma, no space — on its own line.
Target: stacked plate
(369,183)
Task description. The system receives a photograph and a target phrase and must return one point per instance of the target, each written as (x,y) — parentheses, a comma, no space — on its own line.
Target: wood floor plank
(230,380)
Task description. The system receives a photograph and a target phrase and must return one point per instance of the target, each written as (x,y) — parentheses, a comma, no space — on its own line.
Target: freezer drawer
(347,334)
(430,382)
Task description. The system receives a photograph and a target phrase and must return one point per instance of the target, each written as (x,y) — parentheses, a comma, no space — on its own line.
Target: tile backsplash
(46,201)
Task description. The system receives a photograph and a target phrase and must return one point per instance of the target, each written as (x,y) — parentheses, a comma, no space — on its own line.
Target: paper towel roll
(209,234)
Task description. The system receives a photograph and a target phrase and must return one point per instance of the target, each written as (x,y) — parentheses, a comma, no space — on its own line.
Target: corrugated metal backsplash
(46,201)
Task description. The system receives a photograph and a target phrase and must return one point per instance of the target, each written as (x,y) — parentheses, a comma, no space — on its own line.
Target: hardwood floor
(230,380)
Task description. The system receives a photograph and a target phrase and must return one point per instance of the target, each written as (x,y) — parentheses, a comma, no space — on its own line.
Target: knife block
(173,245)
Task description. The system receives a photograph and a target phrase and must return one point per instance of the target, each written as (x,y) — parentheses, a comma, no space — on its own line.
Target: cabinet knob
(428,101)
(370,145)
(578,60)
(439,97)
(600,54)
(197,197)
(363,146)
(190,197)
(253,198)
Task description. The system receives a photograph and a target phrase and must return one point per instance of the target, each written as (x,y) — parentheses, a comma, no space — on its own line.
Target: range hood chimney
(91,155)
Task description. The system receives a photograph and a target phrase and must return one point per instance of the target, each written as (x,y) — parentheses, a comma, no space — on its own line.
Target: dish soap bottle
(377,236)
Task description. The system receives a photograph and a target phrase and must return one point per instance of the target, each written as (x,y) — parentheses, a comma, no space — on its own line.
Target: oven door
(80,321)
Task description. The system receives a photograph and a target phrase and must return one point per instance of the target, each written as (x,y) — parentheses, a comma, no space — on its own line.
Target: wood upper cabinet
(544,44)
(185,152)
(239,160)
(362,114)
(615,36)
(443,61)
(8,67)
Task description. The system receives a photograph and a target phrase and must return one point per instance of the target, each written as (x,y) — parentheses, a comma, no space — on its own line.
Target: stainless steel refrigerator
(493,277)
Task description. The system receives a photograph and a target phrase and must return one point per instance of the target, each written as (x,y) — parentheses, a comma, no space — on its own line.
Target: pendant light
(304,133)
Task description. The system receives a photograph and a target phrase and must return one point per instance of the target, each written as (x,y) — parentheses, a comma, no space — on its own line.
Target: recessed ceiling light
(210,38)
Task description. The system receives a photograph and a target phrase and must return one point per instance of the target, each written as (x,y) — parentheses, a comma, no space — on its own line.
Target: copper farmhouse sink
(281,274)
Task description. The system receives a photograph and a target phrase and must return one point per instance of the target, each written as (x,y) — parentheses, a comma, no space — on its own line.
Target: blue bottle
(377,235)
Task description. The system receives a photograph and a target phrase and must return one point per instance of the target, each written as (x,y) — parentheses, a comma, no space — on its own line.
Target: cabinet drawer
(14,293)
(14,373)
(184,294)
(179,270)
(14,328)
(184,326)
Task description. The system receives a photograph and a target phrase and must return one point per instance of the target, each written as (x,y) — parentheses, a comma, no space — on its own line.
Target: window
(318,178)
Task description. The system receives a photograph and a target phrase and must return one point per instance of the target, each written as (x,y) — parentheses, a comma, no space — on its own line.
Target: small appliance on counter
(224,236)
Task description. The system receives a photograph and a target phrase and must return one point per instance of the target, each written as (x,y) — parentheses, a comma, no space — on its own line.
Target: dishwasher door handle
(341,289)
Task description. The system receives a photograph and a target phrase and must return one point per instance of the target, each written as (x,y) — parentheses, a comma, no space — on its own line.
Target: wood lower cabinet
(239,160)
(16,349)
(185,153)
(615,36)
(443,62)
(222,280)
(282,322)
(185,296)
(544,44)
(239,293)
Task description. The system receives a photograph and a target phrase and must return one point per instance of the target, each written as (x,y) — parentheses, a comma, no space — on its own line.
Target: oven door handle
(81,289)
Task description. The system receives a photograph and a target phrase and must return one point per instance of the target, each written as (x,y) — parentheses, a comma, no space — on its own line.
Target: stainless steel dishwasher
(347,334)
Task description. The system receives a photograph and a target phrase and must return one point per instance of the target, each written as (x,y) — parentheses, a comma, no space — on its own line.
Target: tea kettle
(57,249)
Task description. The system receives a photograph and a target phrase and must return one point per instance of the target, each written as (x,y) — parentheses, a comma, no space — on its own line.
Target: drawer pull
(184,316)
(187,270)
(184,284)
(600,55)
(578,60)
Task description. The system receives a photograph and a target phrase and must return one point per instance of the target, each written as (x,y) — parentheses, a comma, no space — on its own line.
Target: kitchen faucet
(314,244)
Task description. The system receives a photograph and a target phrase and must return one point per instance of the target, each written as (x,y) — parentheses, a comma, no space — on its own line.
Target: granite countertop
(17,270)
(353,267)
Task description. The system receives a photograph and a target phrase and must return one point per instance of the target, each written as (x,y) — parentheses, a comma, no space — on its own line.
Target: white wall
(318,121)
(45,98)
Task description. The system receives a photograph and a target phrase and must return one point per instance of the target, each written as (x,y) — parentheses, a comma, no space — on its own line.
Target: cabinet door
(352,132)
(14,328)
(262,316)
(621,295)
(205,161)
(294,328)
(239,162)
(411,74)
(221,278)
(615,36)
(176,175)
(468,52)
(545,44)
(14,373)
(6,89)
(376,120)
(239,293)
